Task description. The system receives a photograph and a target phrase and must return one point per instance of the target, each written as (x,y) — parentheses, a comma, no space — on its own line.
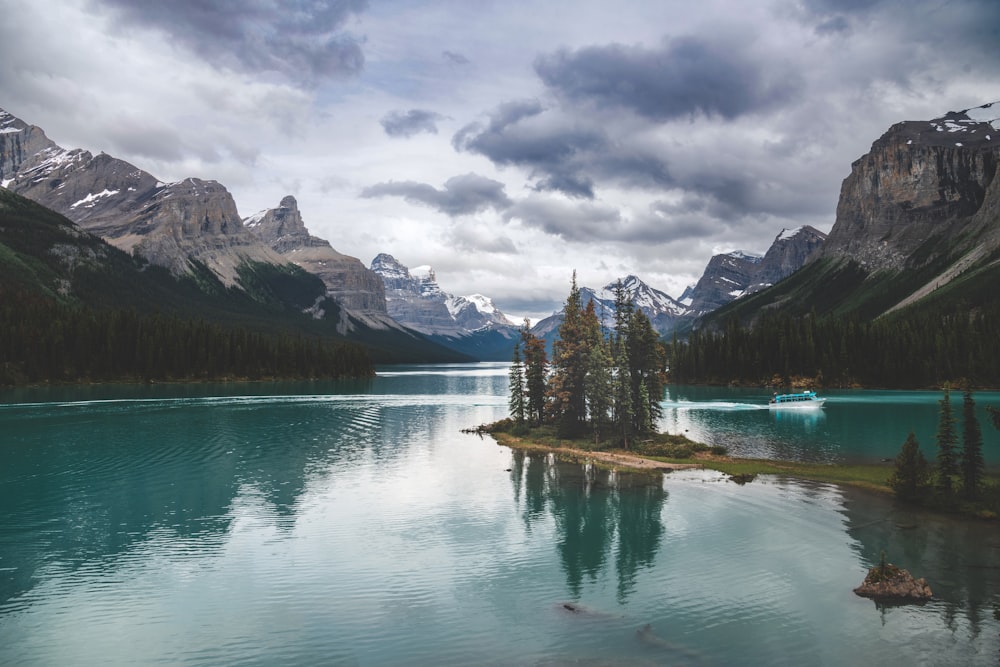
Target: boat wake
(726,406)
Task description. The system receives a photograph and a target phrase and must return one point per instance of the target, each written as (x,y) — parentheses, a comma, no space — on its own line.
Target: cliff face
(169,224)
(787,254)
(347,280)
(921,179)
(725,278)
(18,142)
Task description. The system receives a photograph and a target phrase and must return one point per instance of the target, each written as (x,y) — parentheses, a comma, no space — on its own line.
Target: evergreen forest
(75,309)
(43,341)
(917,348)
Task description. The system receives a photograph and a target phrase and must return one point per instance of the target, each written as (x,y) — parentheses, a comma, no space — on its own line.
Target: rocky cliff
(170,224)
(921,180)
(920,210)
(733,275)
(346,278)
(787,254)
(726,277)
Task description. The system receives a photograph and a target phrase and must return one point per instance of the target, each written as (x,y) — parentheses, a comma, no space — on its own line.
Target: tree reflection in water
(600,516)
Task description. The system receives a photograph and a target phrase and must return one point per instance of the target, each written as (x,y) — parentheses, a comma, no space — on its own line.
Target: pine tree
(517,403)
(972,449)
(567,398)
(946,442)
(645,364)
(623,404)
(911,479)
(535,370)
(598,386)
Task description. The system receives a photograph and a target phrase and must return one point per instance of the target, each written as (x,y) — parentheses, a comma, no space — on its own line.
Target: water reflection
(601,516)
(959,557)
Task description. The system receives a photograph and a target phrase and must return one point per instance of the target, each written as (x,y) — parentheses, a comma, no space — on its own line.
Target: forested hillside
(73,308)
(949,336)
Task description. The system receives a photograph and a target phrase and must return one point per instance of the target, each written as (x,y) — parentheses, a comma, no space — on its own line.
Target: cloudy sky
(505,143)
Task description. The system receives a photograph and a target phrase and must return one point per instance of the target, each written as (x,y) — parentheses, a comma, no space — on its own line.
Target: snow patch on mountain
(414,298)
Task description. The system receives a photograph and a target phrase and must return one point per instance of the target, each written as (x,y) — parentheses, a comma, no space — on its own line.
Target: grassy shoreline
(873,477)
(664,452)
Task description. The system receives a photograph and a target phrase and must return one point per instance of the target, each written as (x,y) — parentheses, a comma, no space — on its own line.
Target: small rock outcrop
(889,583)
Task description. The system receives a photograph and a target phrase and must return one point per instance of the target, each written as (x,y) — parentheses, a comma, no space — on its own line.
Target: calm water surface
(354,524)
(853,425)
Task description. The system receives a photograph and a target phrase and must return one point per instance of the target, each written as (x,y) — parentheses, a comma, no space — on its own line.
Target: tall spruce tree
(911,479)
(972,449)
(570,352)
(535,371)
(597,382)
(623,406)
(598,388)
(645,364)
(517,403)
(947,459)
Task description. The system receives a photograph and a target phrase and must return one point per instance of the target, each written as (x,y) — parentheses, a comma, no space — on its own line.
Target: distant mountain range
(728,276)
(192,229)
(917,214)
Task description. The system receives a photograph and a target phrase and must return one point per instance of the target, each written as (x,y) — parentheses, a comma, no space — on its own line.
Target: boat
(803,400)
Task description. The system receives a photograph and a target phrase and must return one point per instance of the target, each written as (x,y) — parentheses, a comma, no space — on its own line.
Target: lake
(353,523)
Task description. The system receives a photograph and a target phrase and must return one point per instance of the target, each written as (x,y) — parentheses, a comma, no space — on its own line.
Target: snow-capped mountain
(726,277)
(732,275)
(414,298)
(175,225)
(662,310)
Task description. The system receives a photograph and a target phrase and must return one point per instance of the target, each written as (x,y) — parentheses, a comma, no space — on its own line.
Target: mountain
(726,277)
(175,225)
(736,274)
(347,280)
(787,254)
(664,312)
(192,229)
(918,212)
(470,324)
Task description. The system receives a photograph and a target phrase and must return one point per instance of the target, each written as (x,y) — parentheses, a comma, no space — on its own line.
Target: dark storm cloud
(414,121)
(685,76)
(966,30)
(301,40)
(462,195)
(550,150)
(584,221)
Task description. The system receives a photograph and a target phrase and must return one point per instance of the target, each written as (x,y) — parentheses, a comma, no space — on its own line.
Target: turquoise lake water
(353,523)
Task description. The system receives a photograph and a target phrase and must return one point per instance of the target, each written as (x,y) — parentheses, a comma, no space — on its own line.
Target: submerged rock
(887,582)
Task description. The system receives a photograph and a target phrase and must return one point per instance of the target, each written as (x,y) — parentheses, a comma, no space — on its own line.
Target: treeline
(918,350)
(957,479)
(606,386)
(42,340)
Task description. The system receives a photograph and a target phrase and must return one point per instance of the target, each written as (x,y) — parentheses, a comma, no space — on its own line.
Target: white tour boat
(804,400)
